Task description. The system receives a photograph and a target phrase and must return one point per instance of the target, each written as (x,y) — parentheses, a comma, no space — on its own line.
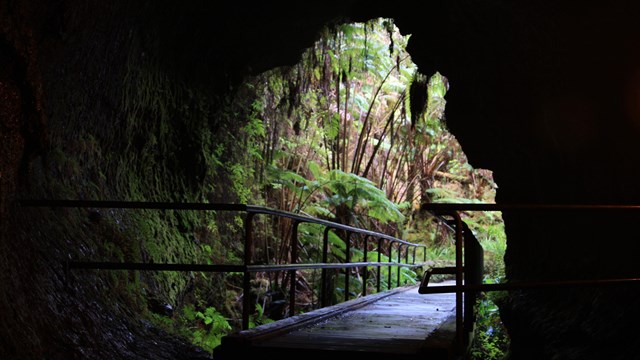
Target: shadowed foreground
(401,323)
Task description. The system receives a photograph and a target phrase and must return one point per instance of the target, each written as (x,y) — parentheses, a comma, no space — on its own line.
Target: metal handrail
(108,265)
(453,210)
(438,207)
(247,268)
(439,210)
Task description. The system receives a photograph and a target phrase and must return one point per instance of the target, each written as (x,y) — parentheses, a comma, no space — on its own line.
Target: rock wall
(545,94)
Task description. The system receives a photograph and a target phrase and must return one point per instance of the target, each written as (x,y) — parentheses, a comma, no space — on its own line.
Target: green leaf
(315,170)
(336,241)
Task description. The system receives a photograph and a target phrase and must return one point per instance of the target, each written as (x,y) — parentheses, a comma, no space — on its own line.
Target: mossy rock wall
(108,121)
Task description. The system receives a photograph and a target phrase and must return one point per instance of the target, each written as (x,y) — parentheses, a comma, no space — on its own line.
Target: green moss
(146,136)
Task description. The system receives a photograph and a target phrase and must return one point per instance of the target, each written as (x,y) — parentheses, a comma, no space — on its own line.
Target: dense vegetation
(353,133)
(356,134)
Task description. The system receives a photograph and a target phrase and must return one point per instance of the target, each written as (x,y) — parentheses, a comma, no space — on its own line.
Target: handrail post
(379,274)
(292,273)
(366,268)
(390,266)
(473,273)
(324,300)
(399,262)
(459,278)
(248,257)
(346,270)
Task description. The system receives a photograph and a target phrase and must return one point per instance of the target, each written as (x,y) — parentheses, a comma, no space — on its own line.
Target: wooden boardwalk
(398,324)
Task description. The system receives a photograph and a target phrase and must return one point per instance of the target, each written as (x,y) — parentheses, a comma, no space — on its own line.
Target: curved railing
(463,271)
(384,245)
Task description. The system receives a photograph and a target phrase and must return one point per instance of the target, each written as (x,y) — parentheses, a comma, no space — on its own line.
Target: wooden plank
(398,324)
(403,323)
(292,323)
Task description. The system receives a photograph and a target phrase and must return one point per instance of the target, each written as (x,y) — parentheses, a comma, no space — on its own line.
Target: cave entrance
(355,132)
